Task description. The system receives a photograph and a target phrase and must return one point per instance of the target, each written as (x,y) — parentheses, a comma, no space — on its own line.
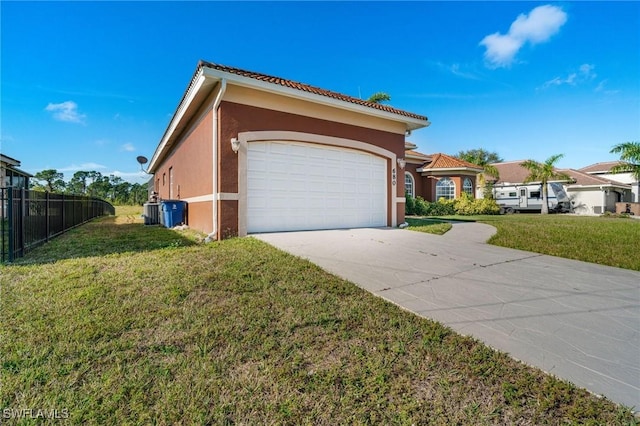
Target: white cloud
(586,70)
(584,74)
(134,177)
(84,166)
(541,23)
(536,27)
(501,50)
(458,70)
(66,111)
(128,147)
(602,88)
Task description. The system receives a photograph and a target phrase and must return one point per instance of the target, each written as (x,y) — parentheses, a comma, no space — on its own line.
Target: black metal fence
(31,218)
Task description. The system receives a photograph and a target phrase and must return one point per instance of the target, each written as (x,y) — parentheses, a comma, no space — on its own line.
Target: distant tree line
(93,184)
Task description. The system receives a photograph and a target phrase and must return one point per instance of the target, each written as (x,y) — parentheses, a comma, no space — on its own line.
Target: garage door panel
(280,203)
(297,169)
(277,149)
(257,184)
(334,187)
(298,186)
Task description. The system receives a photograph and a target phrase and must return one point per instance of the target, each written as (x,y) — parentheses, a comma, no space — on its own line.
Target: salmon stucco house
(437,176)
(253,153)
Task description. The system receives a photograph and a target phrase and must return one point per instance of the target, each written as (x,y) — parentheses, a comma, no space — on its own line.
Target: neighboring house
(255,153)
(587,194)
(592,194)
(603,170)
(10,175)
(438,176)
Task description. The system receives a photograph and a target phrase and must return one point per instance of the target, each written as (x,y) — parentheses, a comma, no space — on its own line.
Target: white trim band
(200,199)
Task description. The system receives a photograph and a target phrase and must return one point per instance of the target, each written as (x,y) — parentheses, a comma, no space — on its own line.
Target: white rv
(528,197)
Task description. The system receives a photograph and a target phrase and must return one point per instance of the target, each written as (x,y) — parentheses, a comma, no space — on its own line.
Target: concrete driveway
(576,320)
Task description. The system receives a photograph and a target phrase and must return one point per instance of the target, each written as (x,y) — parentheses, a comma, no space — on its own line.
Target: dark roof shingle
(582,178)
(603,167)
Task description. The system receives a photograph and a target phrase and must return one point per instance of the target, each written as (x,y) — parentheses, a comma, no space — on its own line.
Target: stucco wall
(428,185)
(587,201)
(191,161)
(237,118)
(191,158)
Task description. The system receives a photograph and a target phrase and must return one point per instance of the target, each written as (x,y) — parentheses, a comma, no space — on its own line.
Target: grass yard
(430,226)
(602,240)
(118,323)
(608,241)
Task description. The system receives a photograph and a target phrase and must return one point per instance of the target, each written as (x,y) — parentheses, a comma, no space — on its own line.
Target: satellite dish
(142,159)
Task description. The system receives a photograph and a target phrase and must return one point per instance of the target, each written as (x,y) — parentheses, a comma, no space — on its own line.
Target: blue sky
(91,85)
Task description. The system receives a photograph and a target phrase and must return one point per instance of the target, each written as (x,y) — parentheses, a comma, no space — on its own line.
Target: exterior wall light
(235,145)
(402,162)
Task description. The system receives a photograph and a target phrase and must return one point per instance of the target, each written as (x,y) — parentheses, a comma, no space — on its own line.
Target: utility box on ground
(151,213)
(172,213)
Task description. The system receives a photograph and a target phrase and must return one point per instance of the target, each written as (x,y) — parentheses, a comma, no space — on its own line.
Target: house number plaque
(393,176)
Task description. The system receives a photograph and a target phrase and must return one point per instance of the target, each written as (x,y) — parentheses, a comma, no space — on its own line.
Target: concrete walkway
(579,321)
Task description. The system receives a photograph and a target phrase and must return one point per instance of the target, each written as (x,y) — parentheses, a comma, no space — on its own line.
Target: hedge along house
(438,176)
(253,153)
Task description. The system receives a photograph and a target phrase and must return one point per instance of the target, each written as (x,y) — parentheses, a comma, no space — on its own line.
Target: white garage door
(303,186)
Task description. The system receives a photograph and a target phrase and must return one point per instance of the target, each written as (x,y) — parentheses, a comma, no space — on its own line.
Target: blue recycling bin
(172,213)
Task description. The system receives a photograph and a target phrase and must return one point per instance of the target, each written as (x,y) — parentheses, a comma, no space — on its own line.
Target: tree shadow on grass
(106,236)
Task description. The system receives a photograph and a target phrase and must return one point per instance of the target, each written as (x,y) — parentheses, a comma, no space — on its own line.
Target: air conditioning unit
(151,213)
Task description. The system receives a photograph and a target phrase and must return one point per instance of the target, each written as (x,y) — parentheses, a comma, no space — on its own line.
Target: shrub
(421,207)
(487,206)
(443,207)
(465,205)
(616,215)
(410,205)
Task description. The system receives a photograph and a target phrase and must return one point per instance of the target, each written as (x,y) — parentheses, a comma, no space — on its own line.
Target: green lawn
(118,323)
(603,240)
(430,226)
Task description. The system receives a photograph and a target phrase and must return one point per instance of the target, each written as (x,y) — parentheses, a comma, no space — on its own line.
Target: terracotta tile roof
(603,167)
(307,88)
(444,161)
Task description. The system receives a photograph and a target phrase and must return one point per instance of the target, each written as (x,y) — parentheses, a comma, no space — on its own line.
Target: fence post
(10,222)
(64,224)
(46,214)
(23,235)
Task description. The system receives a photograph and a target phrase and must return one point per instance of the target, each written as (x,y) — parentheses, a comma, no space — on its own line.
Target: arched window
(445,188)
(409,184)
(467,186)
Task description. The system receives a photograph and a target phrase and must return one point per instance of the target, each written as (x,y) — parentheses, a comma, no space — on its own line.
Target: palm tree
(543,173)
(483,159)
(630,156)
(379,97)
